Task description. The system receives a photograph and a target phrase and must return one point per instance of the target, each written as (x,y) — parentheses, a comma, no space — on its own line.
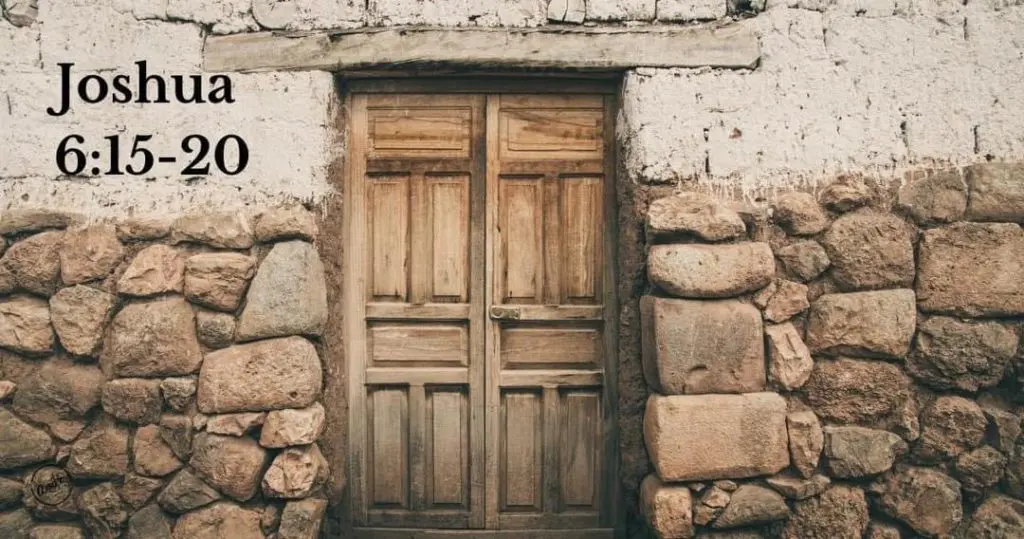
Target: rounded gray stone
(711,271)
(288,296)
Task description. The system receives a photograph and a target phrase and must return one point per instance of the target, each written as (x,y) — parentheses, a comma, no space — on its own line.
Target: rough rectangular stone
(693,346)
(702,437)
(152,338)
(954,354)
(867,324)
(667,508)
(302,519)
(710,271)
(692,215)
(265,375)
(996,192)
(25,325)
(972,269)
(230,464)
(870,251)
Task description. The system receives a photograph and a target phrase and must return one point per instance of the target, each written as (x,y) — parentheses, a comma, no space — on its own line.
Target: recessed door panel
(479,313)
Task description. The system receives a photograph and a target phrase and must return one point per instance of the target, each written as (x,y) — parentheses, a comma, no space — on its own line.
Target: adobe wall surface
(862,87)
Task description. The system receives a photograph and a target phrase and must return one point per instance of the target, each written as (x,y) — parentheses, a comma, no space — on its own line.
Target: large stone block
(841,512)
(972,269)
(295,473)
(954,354)
(938,197)
(858,451)
(689,215)
(25,325)
(980,469)
(799,214)
(80,315)
(219,521)
(997,192)
(151,456)
(999,516)
(230,464)
(701,437)
(149,523)
(157,269)
(869,324)
(711,271)
(856,391)
(22,444)
(89,253)
(286,222)
(186,492)
(288,296)
(265,375)
(285,428)
(751,505)
(667,507)
(133,400)
(924,499)
(225,230)
(302,519)
(34,262)
(804,260)
(59,390)
(103,511)
(870,251)
(218,280)
(693,346)
(101,452)
(152,338)
(950,426)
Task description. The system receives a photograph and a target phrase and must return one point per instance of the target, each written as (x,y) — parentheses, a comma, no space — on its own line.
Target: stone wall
(171,368)
(841,365)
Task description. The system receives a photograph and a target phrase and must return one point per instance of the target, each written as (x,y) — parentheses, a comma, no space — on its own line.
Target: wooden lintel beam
(727,46)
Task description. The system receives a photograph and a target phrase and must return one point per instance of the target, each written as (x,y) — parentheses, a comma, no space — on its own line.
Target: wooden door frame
(339,384)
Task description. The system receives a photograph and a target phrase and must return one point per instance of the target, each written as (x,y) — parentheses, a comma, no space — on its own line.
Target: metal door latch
(504,313)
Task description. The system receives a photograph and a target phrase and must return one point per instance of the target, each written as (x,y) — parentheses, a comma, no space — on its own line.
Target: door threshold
(414,533)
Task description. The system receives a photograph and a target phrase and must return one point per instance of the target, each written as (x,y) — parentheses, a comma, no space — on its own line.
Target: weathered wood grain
(729,46)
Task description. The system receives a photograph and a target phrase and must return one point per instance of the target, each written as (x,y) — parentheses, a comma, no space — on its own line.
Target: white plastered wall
(862,86)
(871,87)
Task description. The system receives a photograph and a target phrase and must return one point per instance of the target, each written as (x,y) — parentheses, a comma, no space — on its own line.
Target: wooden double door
(479,314)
